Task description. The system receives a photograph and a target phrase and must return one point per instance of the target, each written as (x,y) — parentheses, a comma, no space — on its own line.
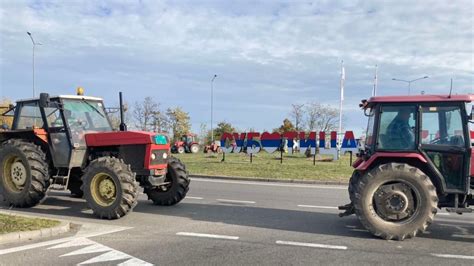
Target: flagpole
(343,77)
(374,91)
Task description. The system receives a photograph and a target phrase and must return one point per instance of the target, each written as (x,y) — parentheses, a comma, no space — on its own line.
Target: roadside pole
(339,142)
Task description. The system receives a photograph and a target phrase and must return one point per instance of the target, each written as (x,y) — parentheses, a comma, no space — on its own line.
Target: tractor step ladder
(60,182)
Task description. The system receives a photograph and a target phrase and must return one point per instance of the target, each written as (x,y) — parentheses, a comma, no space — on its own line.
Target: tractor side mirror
(44,100)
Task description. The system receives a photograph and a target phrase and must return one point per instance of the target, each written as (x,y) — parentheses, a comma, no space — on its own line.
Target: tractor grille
(159,157)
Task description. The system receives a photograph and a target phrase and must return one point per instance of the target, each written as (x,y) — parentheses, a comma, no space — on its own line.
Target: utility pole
(34,46)
(410,82)
(212,107)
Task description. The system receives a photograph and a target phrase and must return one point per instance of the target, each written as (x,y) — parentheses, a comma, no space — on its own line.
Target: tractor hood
(123,138)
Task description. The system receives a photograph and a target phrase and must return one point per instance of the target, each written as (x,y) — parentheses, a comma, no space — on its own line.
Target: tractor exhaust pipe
(123,126)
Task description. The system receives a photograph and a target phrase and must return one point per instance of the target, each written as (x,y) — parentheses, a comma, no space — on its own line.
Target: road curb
(21,236)
(261,179)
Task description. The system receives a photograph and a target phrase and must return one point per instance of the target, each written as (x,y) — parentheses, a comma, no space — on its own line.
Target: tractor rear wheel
(395,201)
(194,148)
(177,187)
(25,173)
(110,188)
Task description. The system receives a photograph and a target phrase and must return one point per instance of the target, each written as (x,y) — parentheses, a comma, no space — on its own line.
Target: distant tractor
(214,147)
(417,158)
(187,144)
(67,142)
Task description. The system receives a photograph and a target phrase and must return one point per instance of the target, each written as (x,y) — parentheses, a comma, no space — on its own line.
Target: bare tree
(321,117)
(297,113)
(145,114)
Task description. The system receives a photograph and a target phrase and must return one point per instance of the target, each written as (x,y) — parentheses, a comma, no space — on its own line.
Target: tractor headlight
(165,155)
(160,139)
(153,156)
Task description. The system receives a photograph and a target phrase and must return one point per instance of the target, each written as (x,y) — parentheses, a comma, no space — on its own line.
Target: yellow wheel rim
(103,189)
(14,173)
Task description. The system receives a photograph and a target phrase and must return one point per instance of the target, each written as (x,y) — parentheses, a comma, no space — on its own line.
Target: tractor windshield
(85,116)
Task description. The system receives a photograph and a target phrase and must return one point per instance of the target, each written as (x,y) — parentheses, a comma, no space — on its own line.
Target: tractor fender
(37,135)
(364,165)
(413,159)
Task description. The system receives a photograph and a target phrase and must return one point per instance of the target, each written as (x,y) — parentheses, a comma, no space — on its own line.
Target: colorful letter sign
(255,142)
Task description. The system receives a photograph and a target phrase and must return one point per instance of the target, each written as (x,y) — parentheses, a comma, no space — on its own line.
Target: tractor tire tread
(419,176)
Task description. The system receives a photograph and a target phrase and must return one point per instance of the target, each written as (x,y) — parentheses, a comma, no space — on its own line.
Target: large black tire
(353,184)
(24,174)
(416,206)
(110,188)
(176,190)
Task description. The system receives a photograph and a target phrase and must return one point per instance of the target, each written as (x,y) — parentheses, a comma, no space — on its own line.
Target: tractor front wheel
(194,148)
(24,175)
(395,201)
(181,150)
(176,188)
(110,188)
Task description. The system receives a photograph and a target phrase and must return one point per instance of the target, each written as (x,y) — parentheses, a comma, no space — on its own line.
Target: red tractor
(67,142)
(186,144)
(417,159)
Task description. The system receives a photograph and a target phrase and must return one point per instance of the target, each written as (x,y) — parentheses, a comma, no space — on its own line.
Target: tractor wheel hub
(107,188)
(394,202)
(18,174)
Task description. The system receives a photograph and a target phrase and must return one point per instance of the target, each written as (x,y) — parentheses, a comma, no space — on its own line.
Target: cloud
(267,54)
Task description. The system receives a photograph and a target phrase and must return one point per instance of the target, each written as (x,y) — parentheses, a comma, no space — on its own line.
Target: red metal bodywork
(422,98)
(362,165)
(113,138)
(120,138)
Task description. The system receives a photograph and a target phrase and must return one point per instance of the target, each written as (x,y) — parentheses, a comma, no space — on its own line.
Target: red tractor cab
(187,144)
(417,158)
(67,142)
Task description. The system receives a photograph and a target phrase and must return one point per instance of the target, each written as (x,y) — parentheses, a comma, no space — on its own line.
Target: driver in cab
(400,134)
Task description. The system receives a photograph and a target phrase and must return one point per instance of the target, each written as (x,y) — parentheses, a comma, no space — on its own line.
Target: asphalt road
(238,223)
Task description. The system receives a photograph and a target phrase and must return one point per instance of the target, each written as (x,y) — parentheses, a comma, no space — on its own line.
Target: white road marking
(94,248)
(134,262)
(207,235)
(196,198)
(270,184)
(318,207)
(236,201)
(442,213)
(451,256)
(74,243)
(99,232)
(109,256)
(312,245)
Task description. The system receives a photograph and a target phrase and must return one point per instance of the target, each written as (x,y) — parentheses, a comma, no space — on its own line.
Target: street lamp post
(212,107)
(34,45)
(409,82)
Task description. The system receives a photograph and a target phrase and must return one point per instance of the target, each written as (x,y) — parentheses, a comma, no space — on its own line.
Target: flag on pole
(343,79)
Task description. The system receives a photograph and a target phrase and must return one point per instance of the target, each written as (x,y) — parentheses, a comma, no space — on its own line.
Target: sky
(267,55)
